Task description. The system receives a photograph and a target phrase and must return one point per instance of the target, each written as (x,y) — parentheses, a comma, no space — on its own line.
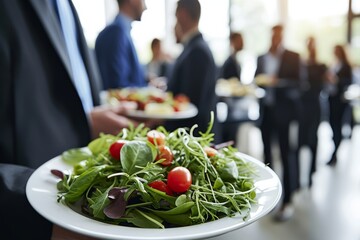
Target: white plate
(190,112)
(42,194)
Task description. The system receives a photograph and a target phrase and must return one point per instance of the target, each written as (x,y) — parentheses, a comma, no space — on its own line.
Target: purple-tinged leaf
(57,173)
(116,208)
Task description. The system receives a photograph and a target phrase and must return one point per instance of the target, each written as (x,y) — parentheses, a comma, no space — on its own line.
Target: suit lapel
(48,18)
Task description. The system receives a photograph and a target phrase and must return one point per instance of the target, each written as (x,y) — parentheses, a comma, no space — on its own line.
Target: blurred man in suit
(49,87)
(279,108)
(118,61)
(194,70)
(231,67)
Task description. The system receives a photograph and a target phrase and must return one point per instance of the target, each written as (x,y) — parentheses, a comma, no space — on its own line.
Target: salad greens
(122,191)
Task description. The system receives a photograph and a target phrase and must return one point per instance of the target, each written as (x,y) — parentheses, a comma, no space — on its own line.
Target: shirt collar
(125,19)
(189,35)
(279,52)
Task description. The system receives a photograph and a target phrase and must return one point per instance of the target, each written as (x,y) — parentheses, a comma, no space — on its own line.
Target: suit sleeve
(259,66)
(111,51)
(197,75)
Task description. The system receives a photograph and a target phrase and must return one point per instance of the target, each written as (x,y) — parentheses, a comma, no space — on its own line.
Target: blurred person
(158,68)
(194,72)
(316,75)
(231,67)
(49,87)
(337,105)
(117,58)
(178,33)
(279,108)
(159,63)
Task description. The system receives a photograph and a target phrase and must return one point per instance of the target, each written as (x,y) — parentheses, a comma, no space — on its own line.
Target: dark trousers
(308,127)
(275,121)
(337,111)
(267,126)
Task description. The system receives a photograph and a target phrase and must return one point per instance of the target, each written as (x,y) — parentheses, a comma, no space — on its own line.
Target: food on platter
(233,87)
(264,80)
(149,99)
(157,179)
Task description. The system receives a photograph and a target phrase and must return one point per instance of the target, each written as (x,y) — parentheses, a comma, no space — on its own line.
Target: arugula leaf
(183,208)
(145,220)
(98,201)
(81,184)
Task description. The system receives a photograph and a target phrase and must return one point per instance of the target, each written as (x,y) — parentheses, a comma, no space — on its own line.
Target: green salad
(157,179)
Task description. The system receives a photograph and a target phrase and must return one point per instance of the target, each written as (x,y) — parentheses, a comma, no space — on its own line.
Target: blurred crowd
(50,85)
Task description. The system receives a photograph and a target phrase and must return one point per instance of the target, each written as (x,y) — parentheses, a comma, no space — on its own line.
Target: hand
(159,82)
(273,80)
(109,120)
(60,233)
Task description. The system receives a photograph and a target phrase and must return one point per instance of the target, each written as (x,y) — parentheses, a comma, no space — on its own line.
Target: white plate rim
(41,193)
(190,112)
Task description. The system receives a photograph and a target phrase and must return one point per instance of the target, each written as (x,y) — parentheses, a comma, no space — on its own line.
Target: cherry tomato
(158,185)
(155,137)
(161,186)
(181,98)
(179,179)
(141,105)
(210,152)
(165,153)
(115,148)
(158,99)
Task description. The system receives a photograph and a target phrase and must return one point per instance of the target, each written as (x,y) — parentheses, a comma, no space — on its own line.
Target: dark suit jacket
(286,96)
(117,58)
(41,114)
(230,68)
(289,66)
(194,75)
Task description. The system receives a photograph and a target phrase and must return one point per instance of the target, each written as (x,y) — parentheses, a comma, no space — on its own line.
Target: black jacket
(41,114)
(194,75)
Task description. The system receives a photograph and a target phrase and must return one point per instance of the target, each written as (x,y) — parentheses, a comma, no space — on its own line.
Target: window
(326,20)
(93,18)
(254,20)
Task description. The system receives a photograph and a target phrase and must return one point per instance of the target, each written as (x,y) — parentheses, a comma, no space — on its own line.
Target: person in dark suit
(279,108)
(194,72)
(231,70)
(316,75)
(337,105)
(45,106)
(231,67)
(118,61)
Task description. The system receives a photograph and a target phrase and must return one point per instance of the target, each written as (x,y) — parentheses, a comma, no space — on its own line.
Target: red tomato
(155,137)
(158,185)
(141,105)
(210,152)
(181,98)
(179,179)
(115,148)
(161,186)
(176,108)
(158,99)
(165,153)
